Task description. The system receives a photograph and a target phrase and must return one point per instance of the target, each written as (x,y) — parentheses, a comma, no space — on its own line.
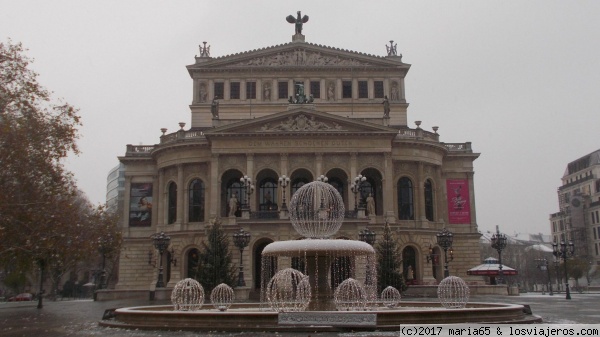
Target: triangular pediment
(301,121)
(297,54)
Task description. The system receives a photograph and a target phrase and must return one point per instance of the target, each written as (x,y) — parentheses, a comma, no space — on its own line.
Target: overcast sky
(518,79)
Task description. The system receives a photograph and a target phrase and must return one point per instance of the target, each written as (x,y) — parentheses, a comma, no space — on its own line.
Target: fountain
(331,286)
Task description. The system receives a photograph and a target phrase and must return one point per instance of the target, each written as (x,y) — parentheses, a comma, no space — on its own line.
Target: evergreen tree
(389,262)
(215,261)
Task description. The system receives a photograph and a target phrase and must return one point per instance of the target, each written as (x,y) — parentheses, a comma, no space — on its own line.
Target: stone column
(196,94)
(215,179)
(472,202)
(161,200)
(250,173)
(180,194)
(319,164)
(226,90)
(353,174)
(388,188)
(283,165)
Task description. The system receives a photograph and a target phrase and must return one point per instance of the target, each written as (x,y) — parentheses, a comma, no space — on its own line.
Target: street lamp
(247,183)
(367,235)
(545,266)
(444,240)
(499,243)
(241,240)
(284,181)
(323,178)
(161,243)
(563,252)
(356,187)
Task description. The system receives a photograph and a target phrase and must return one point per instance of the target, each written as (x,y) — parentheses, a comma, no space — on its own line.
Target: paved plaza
(80,317)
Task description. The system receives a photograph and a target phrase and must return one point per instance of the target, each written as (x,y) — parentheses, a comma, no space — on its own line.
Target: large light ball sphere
(317,210)
(289,290)
(453,292)
(187,295)
(222,296)
(350,295)
(390,297)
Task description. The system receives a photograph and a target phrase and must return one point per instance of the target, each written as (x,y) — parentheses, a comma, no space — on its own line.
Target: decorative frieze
(301,57)
(302,123)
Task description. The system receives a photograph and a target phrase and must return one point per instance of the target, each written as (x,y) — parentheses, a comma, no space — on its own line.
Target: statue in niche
(299,21)
(370,205)
(202,93)
(386,107)
(331,92)
(267,92)
(214,108)
(395,94)
(233,204)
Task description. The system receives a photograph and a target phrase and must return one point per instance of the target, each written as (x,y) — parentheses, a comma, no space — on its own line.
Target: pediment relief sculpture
(301,57)
(302,123)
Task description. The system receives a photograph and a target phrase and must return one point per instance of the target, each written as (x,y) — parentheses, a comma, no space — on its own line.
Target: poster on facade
(459,208)
(140,205)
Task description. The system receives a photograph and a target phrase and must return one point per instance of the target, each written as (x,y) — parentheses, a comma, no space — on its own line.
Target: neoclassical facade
(301,111)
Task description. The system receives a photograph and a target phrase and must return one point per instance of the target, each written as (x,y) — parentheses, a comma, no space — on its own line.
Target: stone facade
(338,130)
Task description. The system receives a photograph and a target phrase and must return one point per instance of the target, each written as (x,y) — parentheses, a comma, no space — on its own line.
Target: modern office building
(115,188)
(302,111)
(578,218)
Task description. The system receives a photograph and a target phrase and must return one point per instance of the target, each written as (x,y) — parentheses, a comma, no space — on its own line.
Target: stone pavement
(80,317)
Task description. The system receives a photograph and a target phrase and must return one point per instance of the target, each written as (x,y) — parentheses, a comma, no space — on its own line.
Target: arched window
(193,263)
(267,195)
(405,199)
(297,183)
(338,184)
(429,200)
(196,205)
(172,206)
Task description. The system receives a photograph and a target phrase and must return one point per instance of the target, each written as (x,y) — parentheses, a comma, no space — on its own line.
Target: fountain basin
(249,317)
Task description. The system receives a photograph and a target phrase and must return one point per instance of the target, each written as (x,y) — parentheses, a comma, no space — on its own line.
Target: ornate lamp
(161,243)
(563,252)
(356,187)
(499,243)
(283,182)
(367,235)
(241,240)
(247,183)
(444,240)
(323,178)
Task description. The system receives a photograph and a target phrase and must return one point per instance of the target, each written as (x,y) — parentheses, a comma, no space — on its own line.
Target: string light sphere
(188,295)
(350,295)
(289,290)
(453,292)
(317,210)
(221,297)
(390,297)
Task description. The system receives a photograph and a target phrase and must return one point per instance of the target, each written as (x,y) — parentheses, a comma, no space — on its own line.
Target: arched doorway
(193,263)
(339,179)
(261,280)
(409,265)
(298,179)
(436,270)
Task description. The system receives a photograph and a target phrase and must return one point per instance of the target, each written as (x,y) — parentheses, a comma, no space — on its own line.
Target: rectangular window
(595,235)
(598,228)
(250,90)
(363,89)
(596,245)
(346,89)
(378,89)
(283,90)
(315,89)
(219,90)
(234,90)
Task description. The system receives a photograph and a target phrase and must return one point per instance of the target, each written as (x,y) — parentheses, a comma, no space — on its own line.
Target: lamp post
(161,243)
(241,240)
(247,183)
(283,182)
(563,252)
(444,240)
(557,274)
(367,235)
(356,187)
(323,178)
(499,243)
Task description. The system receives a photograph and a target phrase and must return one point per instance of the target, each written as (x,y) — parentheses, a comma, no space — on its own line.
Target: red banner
(459,208)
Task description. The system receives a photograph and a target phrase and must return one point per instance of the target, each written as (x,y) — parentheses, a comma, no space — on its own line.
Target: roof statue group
(299,21)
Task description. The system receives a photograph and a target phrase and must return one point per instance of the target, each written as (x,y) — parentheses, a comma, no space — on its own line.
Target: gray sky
(518,79)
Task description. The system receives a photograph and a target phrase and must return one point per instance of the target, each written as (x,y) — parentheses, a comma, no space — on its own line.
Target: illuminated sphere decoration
(221,297)
(350,295)
(317,210)
(289,290)
(188,295)
(390,297)
(453,293)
